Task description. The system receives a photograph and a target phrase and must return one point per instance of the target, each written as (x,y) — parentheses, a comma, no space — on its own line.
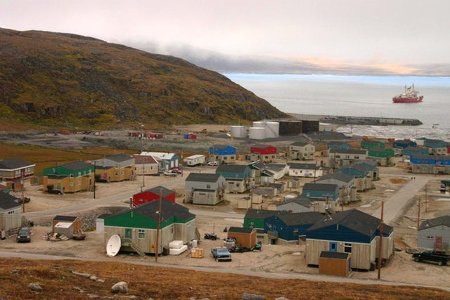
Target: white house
(305,170)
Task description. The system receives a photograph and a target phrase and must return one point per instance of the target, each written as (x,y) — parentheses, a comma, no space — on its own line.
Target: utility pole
(23,187)
(426,197)
(159,225)
(143,161)
(418,214)
(380,250)
(94,177)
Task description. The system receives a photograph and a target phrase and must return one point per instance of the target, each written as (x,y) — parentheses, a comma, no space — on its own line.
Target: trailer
(195,160)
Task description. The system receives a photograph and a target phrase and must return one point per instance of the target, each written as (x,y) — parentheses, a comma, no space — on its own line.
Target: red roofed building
(265,153)
(152,195)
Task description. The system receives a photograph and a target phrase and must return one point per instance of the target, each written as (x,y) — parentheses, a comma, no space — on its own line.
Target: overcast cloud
(324,32)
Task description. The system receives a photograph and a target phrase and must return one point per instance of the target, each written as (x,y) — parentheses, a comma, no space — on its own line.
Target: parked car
(221,254)
(23,235)
(210,236)
(441,258)
(177,170)
(170,173)
(212,163)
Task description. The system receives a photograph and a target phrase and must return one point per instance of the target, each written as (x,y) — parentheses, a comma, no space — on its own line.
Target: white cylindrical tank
(259,124)
(272,129)
(238,131)
(257,133)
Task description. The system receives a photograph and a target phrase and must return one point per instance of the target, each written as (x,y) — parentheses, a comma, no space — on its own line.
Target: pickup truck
(221,254)
(440,258)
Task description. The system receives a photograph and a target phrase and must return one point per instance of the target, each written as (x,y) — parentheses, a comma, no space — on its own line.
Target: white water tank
(238,131)
(257,133)
(259,124)
(272,129)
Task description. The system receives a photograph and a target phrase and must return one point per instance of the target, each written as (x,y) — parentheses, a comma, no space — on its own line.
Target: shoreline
(358,120)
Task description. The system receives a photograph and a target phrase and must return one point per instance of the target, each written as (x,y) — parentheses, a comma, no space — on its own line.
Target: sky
(395,34)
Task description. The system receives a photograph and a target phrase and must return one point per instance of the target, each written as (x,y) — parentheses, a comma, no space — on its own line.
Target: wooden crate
(197,253)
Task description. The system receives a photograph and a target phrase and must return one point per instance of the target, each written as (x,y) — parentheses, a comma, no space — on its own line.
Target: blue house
(324,196)
(222,153)
(430,164)
(291,226)
(436,147)
(339,146)
(403,144)
(237,177)
(363,178)
(350,231)
(414,151)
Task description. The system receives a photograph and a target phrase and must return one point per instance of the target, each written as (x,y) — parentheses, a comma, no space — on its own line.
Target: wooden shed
(335,263)
(245,237)
(66,225)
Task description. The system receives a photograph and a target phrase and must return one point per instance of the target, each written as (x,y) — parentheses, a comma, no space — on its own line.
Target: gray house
(434,234)
(345,157)
(116,167)
(203,188)
(296,205)
(302,150)
(346,184)
(10,212)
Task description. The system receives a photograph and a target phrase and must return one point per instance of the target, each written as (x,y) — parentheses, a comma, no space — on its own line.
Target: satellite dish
(113,245)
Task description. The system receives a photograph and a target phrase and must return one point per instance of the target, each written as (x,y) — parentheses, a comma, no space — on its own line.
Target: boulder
(247,296)
(35,286)
(120,287)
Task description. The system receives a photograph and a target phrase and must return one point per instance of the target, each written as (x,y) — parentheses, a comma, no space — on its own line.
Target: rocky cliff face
(55,78)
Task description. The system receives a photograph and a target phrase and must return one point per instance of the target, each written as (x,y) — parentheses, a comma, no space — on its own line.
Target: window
(141,233)
(208,186)
(356,157)
(347,248)
(128,233)
(430,237)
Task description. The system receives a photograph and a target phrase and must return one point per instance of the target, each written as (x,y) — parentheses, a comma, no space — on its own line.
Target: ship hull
(407,99)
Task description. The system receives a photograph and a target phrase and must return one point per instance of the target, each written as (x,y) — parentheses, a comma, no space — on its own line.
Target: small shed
(100,223)
(244,203)
(66,225)
(335,263)
(245,237)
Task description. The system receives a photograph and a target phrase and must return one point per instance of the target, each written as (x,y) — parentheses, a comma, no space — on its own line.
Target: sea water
(368,96)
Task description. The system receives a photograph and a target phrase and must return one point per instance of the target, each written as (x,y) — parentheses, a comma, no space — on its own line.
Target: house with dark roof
(10,212)
(244,237)
(15,169)
(436,147)
(296,205)
(324,196)
(146,165)
(434,234)
(290,227)
(254,218)
(371,166)
(346,184)
(114,168)
(204,188)
(301,150)
(350,231)
(430,164)
(362,177)
(138,227)
(69,178)
(153,194)
(308,170)
(345,157)
(278,171)
(237,177)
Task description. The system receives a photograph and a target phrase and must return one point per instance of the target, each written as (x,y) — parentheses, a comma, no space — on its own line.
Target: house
(339,158)
(362,177)
(10,212)
(238,177)
(204,188)
(222,153)
(137,227)
(277,171)
(153,194)
(338,146)
(260,175)
(301,150)
(436,147)
(403,144)
(373,144)
(290,227)
(324,196)
(414,151)
(346,184)
(296,205)
(255,218)
(370,166)
(146,165)
(264,153)
(195,160)
(15,169)
(114,168)
(434,234)
(335,263)
(350,231)
(244,237)
(328,136)
(382,155)
(310,170)
(430,164)
(69,178)
(66,225)
(165,160)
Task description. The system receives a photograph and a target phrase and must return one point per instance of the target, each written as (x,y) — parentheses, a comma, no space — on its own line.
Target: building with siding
(369,166)
(114,168)
(165,160)
(204,188)
(146,165)
(335,263)
(290,227)
(341,158)
(430,164)
(324,196)
(15,169)
(296,205)
(346,184)
(255,218)
(362,177)
(308,170)
(10,212)
(244,237)
(403,144)
(69,178)
(350,231)
(301,150)
(222,153)
(434,234)
(137,227)
(264,153)
(277,171)
(436,147)
(153,194)
(238,177)
(383,156)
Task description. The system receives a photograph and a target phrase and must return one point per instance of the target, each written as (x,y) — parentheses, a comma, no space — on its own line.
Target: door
(333,246)
(128,233)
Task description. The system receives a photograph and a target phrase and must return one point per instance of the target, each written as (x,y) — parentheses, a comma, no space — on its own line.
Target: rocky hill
(69,80)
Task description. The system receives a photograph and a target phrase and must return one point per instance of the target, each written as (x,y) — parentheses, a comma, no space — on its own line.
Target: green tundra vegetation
(57,79)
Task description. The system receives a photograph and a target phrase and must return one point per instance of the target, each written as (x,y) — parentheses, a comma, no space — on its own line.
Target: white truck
(195,160)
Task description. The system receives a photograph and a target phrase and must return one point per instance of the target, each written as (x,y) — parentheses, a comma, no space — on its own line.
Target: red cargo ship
(408,96)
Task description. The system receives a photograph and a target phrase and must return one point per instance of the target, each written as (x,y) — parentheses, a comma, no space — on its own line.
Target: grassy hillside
(75,81)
